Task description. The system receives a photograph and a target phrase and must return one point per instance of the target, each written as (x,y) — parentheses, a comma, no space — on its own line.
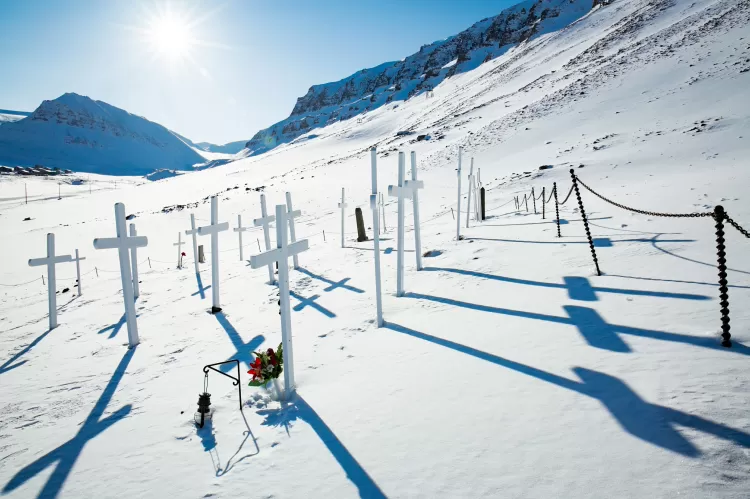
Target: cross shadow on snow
(201,290)
(333,284)
(64,457)
(649,422)
(244,350)
(578,288)
(115,328)
(9,366)
(594,329)
(304,302)
(299,409)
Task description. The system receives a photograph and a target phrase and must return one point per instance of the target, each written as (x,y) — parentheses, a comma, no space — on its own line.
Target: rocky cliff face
(371,88)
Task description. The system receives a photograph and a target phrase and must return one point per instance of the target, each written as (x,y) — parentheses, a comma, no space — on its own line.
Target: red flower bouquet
(267,366)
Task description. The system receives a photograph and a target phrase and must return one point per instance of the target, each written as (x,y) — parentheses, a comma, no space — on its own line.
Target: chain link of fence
(644,212)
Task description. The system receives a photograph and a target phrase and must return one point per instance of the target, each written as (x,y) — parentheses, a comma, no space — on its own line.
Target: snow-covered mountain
(78,133)
(421,72)
(7,116)
(228,148)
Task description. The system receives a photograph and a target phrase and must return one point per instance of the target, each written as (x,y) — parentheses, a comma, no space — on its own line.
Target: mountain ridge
(419,73)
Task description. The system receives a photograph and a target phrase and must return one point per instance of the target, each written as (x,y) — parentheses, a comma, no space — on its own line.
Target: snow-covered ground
(508,370)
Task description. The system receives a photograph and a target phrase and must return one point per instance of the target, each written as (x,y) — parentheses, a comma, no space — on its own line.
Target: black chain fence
(568,196)
(644,212)
(736,226)
(718,214)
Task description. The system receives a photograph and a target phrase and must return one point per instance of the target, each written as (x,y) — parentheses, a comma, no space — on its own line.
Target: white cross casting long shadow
(65,456)
(649,422)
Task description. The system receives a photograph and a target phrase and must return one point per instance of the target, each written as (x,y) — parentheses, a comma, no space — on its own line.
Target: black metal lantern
(204,411)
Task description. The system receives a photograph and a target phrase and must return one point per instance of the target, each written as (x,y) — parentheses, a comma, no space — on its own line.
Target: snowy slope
(75,132)
(508,370)
(372,88)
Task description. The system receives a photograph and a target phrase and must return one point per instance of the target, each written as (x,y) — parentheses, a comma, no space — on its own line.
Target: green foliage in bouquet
(267,366)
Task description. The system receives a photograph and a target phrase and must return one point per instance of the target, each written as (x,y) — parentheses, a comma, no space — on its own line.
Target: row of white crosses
(129,281)
(474,184)
(473,188)
(406,189)
(50,261)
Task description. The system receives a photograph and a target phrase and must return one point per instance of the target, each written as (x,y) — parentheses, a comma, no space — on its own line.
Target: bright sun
(170,36)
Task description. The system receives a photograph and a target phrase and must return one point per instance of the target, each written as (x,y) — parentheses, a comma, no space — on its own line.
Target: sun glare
(170,36)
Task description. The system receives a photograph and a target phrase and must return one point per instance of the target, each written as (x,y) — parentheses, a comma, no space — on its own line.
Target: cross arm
(414,184)
(298,247)
(396,192)
(38,262)
(121,242)
(263,221)
(267,258)
(211,229)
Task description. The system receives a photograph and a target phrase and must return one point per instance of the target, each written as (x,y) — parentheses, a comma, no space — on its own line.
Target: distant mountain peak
(82,134)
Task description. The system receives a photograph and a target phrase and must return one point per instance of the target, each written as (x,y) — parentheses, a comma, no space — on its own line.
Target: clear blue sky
(247,63)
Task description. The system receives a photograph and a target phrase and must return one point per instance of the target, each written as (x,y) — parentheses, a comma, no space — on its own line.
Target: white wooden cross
(179,244)
(401,192)
(382,207)
(50,262)
(134,263)
(213,231)
(471,186)
(291,214)
(415,185)
(194,232)
(123,243)
(265,221)
(474,186)
(343,206)
(78,259)
(376,232)
(239,230)
(281,255)
(458,204)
